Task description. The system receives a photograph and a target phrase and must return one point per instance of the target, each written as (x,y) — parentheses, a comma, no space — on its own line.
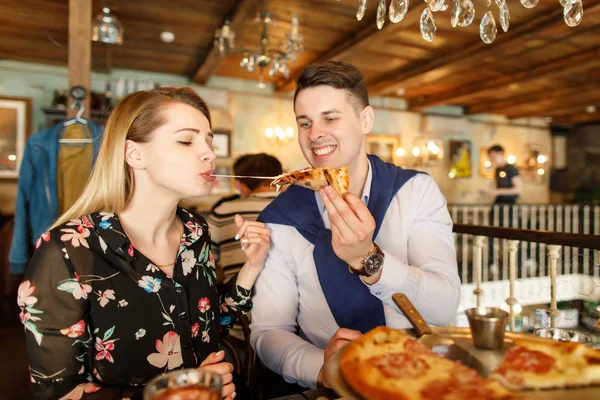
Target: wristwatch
(371,263)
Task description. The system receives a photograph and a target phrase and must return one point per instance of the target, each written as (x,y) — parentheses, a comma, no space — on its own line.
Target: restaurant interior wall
(252,110)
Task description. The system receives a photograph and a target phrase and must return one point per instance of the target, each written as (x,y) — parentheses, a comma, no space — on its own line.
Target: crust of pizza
(547,364)
(317,178)
(388,364)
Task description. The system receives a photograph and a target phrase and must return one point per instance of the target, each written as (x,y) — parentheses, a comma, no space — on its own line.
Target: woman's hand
(255,239)
(214,363)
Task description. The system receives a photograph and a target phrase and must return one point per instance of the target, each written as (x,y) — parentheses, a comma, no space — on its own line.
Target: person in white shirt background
(335,261)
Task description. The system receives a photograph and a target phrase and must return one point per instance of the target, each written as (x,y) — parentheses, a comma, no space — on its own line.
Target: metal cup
(564,335)
(487,326)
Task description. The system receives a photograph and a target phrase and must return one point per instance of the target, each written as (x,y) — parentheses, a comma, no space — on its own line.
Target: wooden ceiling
(539,68)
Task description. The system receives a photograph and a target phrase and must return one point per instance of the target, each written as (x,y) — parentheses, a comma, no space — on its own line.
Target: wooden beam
(547,70)
(80,50)
(545,93)
(417,73)
(553,107)
(350,43)
(238,16)
(577,118)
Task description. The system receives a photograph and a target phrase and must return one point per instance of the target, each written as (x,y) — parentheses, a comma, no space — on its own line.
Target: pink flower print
(130,250)
(224,307)
(85,221)
(76,237)
(195,230)
(78,392)
(74,330)
(204,305)
(24,294)
(24,316)
(106,296)
(103,349)
(45,237)
(205,337)
(195,329)
(168,352)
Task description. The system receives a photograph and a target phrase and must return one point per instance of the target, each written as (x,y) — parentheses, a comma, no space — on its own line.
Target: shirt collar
(365,193)
(111,231)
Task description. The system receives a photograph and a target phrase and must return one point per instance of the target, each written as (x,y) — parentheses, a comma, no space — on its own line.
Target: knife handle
(411,313)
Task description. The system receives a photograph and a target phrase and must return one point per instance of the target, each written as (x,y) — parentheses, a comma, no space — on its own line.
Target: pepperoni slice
(400,365)
(451,389)
(418,348)
(519,358)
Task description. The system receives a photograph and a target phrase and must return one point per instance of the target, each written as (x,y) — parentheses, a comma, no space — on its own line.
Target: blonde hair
(111,183)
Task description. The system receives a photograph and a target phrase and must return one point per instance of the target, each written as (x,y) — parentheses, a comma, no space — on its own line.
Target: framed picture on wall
(485,165)
(15,128)
(460,159)
(384,146)
(222,143)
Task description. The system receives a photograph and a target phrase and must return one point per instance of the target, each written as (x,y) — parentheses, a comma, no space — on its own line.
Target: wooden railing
(553,242)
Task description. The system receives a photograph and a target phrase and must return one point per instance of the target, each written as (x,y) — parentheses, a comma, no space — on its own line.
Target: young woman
(123,286)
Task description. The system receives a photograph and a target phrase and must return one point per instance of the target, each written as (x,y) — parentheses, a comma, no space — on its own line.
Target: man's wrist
(358,264)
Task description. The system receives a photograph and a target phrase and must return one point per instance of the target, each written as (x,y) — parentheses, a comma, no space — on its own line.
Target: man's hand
(214,363)
(352,226)
(341,338)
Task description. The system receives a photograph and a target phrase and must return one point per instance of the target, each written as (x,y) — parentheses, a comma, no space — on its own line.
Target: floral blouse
(101,319)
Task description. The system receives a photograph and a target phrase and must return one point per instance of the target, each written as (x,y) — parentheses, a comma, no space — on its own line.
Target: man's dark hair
(256,165)
(337,74)
(496,149)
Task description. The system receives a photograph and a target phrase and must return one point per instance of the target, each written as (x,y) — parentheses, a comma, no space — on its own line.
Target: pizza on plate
(546,364)
(388,364)
(317,178)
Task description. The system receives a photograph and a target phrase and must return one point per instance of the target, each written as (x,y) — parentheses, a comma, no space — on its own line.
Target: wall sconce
(511,159)
(425,153)
(535,162)
(278,136)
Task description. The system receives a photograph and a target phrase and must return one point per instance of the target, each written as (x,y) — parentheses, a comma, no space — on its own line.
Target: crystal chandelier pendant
(444,6)
(563,3)
(487,28)
(398,9)
(504,14)
(573,12)
(435,5)
(362,7)
(529,3)
(427,24)
(381,14)
(463,13)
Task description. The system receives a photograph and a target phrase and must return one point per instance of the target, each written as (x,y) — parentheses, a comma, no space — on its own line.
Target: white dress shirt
(291,321)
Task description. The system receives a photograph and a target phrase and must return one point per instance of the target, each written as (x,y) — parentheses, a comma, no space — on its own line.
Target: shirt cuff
(314,363)
(394,278)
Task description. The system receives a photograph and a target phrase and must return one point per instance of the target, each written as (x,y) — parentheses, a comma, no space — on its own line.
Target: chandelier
(463,14)
(276,59)
(107,28)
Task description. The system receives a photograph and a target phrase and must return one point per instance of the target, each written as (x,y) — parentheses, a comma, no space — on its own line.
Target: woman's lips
(209,177)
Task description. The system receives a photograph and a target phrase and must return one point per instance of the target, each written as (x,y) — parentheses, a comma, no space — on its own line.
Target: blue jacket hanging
(37,205)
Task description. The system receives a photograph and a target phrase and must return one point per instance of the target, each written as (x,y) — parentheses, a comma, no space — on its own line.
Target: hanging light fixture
(276,59)
(463,14)
(107,28)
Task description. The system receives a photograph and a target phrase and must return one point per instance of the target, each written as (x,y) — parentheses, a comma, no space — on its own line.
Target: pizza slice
(546,364)
(388,364)
(317,178)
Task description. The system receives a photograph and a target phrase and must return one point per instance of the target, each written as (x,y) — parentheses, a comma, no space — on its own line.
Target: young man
(335,261)
(255,195)
(508,181)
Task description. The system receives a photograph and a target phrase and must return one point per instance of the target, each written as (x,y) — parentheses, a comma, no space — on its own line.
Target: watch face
(373,263)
